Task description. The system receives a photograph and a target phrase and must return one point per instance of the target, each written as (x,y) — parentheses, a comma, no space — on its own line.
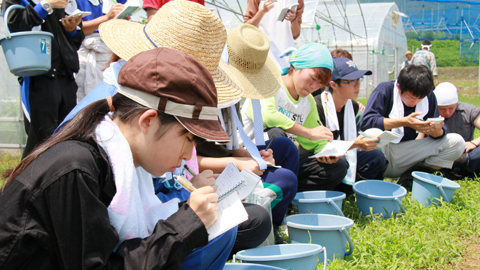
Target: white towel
(134,209)
(398,112)
(349,130)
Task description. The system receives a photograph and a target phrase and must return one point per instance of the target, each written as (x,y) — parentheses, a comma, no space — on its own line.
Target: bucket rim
(417,175)
(316,249)
(317,228)
(264,266)
(385,198)
(27,33)
(341,196)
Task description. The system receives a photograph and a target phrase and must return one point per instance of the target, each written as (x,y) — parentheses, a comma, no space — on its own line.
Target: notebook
(385,137)
(284,11)
(128,10)
(334,148)
(229,181)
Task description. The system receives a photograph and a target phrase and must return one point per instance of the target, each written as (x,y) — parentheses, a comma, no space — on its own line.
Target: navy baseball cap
(346,69)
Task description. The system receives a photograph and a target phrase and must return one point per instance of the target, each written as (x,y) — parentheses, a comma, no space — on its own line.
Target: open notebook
(232,187)
(334,148)
(385,137)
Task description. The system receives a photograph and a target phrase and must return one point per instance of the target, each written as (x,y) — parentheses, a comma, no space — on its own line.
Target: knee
(456,143)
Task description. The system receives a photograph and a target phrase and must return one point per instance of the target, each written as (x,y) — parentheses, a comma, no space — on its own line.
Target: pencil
(270,143)
(190,170)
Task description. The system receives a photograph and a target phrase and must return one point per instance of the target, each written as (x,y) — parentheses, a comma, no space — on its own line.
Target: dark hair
(341,53)
(416,79)
(82,126)
(426,42)
(322,74)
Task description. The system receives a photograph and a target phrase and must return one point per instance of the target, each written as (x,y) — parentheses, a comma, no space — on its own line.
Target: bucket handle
(399,202)
(5,18)
(335,206)
(445,198)
(349,239)
(325,262)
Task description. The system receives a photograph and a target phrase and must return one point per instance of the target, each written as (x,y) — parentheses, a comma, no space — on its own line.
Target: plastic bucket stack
(381,197)
(28,53)
(287,256)
(330,231)
(319,202)
(430,188)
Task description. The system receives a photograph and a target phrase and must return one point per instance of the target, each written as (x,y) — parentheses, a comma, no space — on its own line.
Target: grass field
(439,237)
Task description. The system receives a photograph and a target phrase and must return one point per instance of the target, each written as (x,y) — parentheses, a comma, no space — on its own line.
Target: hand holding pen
(366,142)
(321,133)
(205,178)
(267,153)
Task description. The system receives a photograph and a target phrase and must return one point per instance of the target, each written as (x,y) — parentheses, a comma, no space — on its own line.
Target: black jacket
(54,216)
(63,47)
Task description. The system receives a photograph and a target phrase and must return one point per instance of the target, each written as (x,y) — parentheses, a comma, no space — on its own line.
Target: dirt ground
(464,78)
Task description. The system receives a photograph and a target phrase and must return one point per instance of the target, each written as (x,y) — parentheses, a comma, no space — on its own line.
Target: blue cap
(347,70)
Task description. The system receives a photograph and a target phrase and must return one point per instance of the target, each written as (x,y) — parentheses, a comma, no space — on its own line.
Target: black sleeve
(85,239)
(321,114)
(21,19)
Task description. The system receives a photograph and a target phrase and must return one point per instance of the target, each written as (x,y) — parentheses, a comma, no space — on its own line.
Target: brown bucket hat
(173,82)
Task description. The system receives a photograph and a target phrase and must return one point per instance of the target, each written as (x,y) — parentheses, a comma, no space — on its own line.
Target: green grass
(7,162)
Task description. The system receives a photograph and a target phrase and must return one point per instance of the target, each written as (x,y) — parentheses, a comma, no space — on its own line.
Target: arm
(469,146)
(321,134)
(254,14)
(297,22)
(80,222)
(217,165)
(92,25)
(150,13)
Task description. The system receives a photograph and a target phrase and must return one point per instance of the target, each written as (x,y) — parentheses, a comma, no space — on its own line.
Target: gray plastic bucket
(430,188)
(249,266)
(319,202)
(27,53)
(382,197)
(287,256)
(330,231)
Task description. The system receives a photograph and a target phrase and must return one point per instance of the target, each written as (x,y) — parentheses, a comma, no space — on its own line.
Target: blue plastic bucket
(28,53)
(382,197)
(249,266)
(319,202)
(330,231)
(430,188)
(290,256)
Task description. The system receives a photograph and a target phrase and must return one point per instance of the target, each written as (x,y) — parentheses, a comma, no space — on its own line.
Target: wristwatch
(47,7)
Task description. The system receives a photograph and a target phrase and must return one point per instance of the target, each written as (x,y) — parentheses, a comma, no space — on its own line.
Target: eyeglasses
(359,80)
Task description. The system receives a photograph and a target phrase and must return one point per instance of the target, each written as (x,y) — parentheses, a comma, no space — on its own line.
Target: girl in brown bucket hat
(85,196)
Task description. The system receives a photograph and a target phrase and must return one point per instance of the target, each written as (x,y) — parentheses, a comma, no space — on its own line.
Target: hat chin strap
(145,32)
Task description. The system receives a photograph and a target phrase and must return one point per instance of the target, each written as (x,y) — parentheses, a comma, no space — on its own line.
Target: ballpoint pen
(366,136)
(270,143)
(189,170)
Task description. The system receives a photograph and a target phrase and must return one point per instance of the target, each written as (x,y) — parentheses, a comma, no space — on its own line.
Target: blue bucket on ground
(319,202)
(430,188)
(330,231)
(249,266)
(290,256)
(28,53)
(384,198)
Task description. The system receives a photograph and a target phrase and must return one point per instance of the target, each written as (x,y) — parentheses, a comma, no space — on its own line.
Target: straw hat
(407,53)
(248,59)
(181,25)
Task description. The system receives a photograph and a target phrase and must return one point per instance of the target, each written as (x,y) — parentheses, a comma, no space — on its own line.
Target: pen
(320,123)
(366,136)
(270,143)
(190,170)
(184,183)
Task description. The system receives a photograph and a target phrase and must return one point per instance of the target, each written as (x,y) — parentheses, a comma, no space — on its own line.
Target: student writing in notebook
(259,77)
(337,108)
(85,196)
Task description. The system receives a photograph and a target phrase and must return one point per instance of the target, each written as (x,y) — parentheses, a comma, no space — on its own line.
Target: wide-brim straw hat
(255,71)
(407,53)
(182,25)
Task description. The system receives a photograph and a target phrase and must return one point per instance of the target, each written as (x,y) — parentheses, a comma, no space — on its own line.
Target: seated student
(404,106)
(337,109)
(85,196)
(292,113)
(259,77)
(461,118)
